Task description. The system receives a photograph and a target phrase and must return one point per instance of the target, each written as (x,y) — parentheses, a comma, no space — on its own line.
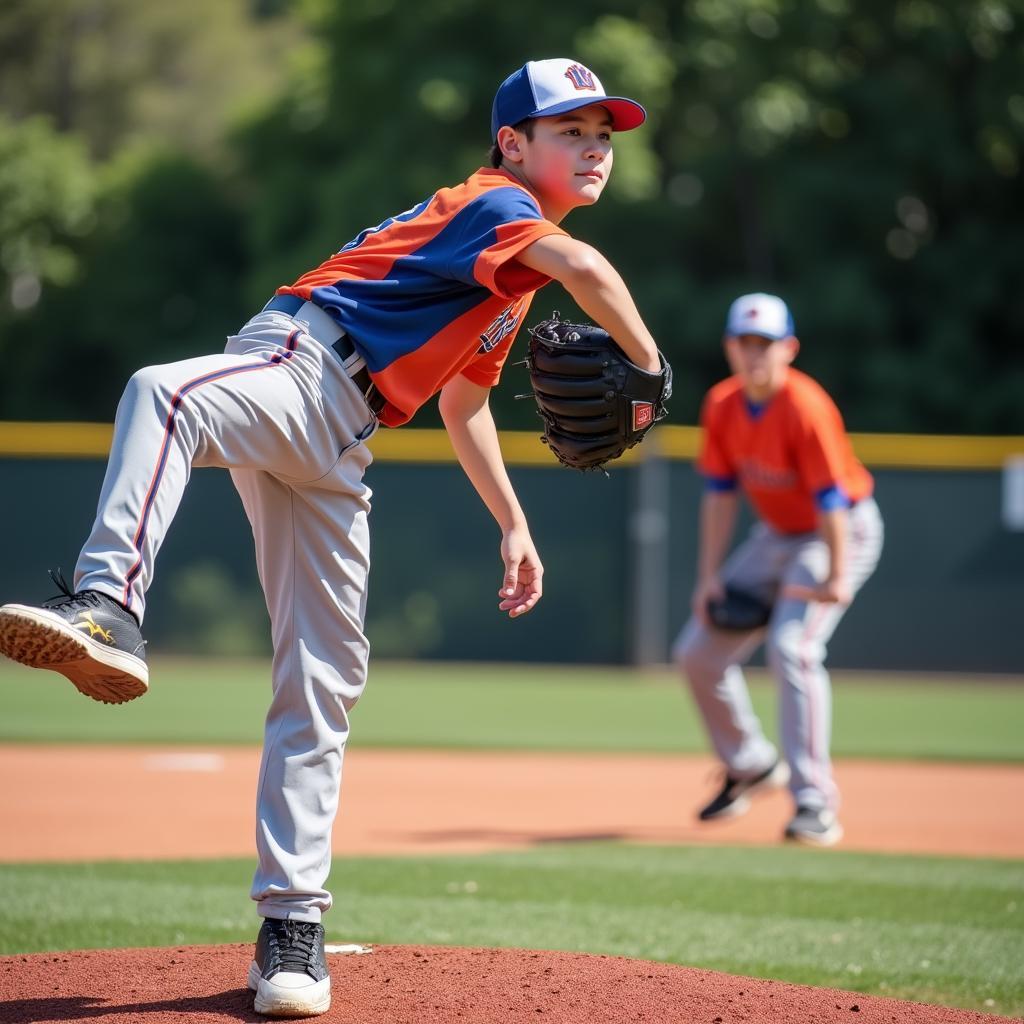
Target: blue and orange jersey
(436,291)
(790,456)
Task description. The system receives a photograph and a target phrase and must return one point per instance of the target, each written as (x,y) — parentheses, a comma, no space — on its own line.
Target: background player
(428,301)
(773,432)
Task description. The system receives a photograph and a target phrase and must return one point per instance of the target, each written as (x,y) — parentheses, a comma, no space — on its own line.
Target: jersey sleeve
(831,499)
(485,368)
(713,462)
(820,446)
(498,225)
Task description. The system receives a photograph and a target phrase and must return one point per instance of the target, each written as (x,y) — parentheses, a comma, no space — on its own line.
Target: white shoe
(289,974)
(814,827)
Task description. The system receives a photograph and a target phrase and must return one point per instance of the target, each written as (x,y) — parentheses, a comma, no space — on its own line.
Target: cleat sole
(39,639)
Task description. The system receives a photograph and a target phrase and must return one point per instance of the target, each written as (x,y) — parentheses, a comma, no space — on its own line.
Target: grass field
(519,707)
(936,930)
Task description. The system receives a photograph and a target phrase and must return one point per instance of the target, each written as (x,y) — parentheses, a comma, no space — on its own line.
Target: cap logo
(752,314)
(643,415)
(580,77)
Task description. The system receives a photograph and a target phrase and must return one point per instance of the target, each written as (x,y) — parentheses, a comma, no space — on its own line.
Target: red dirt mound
(429,985)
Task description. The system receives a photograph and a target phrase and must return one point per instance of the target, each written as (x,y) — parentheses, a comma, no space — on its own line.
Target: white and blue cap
(542,88)
(766,315)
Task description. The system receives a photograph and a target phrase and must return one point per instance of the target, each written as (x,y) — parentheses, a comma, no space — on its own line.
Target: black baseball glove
(737,610)
(594,401)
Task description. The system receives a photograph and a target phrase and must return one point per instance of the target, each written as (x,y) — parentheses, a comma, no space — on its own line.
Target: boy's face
(568,160)
(759,362)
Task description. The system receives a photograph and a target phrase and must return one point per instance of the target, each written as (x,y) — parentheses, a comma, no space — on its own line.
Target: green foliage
(47,203)
(863,161)
(118,72)
(938,930)
(834,156)
(143,294)
(210,613)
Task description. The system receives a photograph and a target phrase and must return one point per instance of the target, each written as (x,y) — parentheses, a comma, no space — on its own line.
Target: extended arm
(467,417)
(718,511)
(598,290)
(832,525)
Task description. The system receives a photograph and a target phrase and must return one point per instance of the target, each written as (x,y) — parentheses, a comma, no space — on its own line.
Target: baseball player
(772,432)
(426,302)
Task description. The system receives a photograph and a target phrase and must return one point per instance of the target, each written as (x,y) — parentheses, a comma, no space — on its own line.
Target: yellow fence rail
(25,440)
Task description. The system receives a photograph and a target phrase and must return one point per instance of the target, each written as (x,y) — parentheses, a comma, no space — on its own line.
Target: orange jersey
(784,454)
(436,291)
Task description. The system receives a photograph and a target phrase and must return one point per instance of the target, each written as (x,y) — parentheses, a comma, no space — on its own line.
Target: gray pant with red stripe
(279,410)
(795,640)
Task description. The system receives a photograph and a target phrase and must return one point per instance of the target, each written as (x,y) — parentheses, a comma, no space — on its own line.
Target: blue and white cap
(542,88)
(766,315)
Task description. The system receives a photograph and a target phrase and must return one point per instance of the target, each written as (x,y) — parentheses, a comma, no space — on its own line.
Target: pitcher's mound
(429,985)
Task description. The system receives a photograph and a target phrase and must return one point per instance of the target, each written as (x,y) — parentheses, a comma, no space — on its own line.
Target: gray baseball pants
(796,639)
(278,410)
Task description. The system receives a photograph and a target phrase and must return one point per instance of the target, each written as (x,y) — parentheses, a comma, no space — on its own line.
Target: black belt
(342,347)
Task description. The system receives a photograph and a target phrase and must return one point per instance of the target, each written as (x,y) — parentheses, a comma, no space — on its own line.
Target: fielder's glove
(739,611)
(594,401)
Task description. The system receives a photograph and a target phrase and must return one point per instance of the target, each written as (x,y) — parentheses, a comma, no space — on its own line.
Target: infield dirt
(431,985)
(146,802)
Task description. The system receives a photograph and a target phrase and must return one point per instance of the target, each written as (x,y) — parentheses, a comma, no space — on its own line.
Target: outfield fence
(619,550)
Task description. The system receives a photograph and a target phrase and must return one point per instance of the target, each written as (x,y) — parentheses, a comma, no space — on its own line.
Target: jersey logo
(86,622)
(754,473)
(580,77)
(643,415)
(500,327)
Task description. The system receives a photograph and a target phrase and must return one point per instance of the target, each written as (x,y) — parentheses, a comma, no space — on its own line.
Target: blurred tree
(158,280)
(210,613)
(47,203)
(120,71)
(863,161)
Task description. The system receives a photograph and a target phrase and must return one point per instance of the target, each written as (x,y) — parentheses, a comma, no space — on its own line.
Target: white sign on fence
(1013,492)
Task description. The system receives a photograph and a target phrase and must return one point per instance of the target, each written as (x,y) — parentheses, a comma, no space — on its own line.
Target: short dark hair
(525,126)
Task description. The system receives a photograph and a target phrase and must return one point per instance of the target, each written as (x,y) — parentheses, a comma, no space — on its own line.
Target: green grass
(528,707)
(939,930)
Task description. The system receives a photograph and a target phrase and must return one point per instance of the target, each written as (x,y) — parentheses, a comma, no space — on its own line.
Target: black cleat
(85,636)
(289,974)
(814,827)
(732,799)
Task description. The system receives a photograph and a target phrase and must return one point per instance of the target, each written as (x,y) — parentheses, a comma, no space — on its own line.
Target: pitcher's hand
(521,586)
(709,589)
